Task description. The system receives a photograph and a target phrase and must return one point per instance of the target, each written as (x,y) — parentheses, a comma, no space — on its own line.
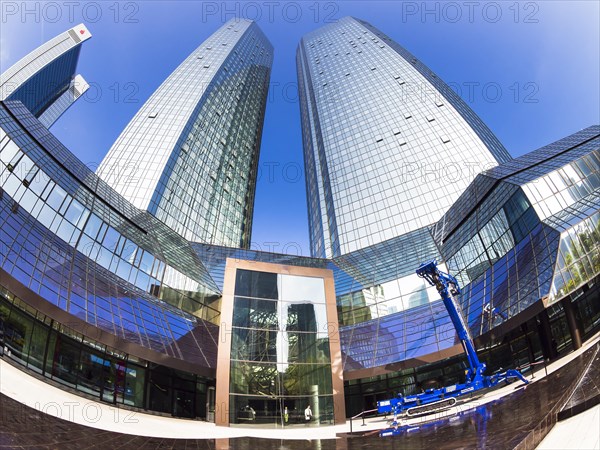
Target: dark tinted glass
(253,313)
(256,284)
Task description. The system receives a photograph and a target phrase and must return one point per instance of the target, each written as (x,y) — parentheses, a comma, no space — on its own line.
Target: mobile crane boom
(448,288)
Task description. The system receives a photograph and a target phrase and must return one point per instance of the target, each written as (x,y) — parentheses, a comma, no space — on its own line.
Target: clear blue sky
(534,68)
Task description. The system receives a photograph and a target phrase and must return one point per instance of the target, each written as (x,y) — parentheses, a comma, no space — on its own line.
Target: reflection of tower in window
(322,349)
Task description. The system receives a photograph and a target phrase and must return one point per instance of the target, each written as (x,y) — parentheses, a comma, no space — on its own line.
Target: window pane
(298,288)
(256,284)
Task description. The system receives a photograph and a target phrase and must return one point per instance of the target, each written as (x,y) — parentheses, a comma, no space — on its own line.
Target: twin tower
(388,146)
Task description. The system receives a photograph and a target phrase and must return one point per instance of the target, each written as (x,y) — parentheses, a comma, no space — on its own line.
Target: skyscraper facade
(76,89)
(388,146)
(44,80)
(190,154)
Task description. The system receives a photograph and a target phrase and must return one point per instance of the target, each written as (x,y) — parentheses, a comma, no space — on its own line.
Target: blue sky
(530,70)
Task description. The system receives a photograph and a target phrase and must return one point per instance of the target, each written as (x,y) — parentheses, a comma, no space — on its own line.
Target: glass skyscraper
(388,146)
(44,80)
(190,154)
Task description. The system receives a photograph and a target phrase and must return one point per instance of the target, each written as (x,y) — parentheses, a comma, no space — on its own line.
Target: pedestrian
(307,414)
(286,415)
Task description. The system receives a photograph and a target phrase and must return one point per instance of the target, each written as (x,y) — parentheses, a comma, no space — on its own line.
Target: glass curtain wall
(54,351)
(280,359)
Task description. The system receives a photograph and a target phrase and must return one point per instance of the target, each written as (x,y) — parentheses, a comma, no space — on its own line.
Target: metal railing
(530,365)
(535,436)
(361,414)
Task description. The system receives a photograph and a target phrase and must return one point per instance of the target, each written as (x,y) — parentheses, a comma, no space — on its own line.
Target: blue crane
(433,400)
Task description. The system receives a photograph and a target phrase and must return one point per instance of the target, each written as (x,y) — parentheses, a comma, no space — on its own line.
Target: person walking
(307,414)
(286,415)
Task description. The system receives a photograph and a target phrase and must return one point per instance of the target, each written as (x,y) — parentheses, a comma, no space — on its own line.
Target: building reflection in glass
(280,354)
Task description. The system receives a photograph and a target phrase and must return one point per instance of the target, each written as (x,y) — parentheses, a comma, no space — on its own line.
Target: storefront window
(133,395)
(59,353)
(37,347)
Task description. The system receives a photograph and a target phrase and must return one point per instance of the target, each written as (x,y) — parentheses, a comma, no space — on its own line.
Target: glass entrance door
(210,404)
(183,404)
